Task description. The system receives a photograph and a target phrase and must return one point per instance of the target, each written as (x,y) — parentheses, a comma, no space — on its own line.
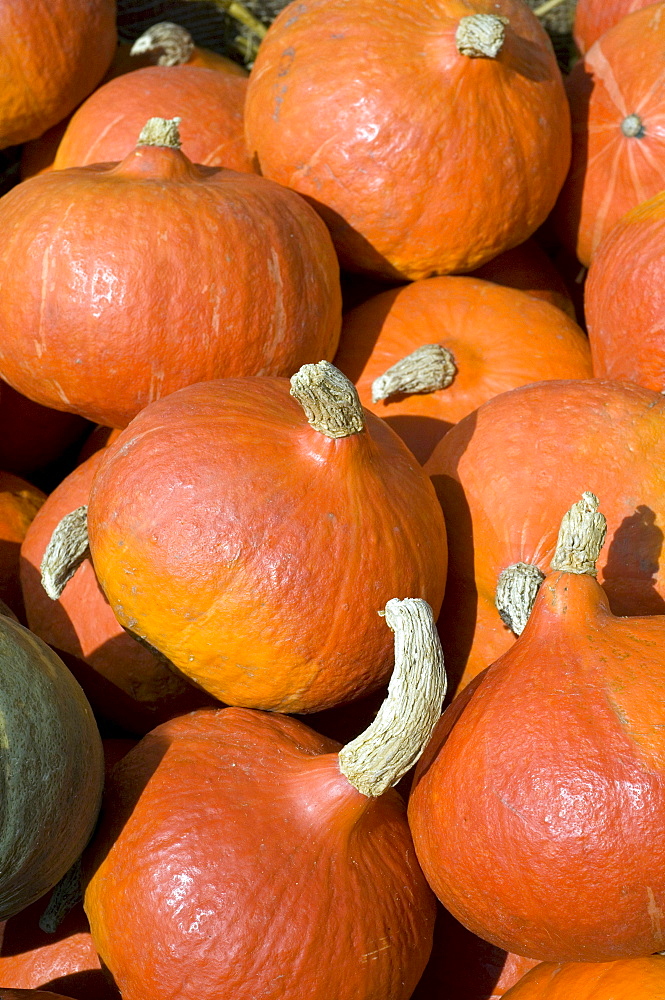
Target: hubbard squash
(140,277)
(618,158)
(538,810)
(54,52)
(105,127)
(594,17)
(444,146)
(425,355)
(253,537)
(630,979)
(504,476)
(124,682)
(243,855)
(48,944)
(53,773)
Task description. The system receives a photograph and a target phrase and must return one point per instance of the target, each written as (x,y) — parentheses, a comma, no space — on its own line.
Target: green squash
(51,768)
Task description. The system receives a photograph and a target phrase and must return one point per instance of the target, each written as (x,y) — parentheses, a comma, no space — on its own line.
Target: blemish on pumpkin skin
(655,915)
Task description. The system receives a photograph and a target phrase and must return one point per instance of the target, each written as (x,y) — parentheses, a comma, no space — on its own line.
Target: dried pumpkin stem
(380,756)
(581,536)
(173,44)
(160,132)
(329,399)
(481,36)
(67,894)
(65,552)
(427,369)
(633,127)
(516,592)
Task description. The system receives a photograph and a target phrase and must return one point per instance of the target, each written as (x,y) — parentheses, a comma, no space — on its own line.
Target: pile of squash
(332,585)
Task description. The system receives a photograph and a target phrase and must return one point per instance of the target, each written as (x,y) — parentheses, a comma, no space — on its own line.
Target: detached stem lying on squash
(379,757)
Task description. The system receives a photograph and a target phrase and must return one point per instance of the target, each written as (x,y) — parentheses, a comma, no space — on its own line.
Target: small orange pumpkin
(630,979)
(445,147)
(425,355)
(140,277)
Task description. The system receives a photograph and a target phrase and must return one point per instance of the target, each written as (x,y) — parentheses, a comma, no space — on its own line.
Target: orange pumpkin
(538,809)
(618,156)
(54,53)
(628,271)
(504,476)
(105,127)
(447,146)
(123,681)
(163,44)
(301,506)
(594,17)
(473,340)
(140,277)
(19,502)
(630,979)
(289,859)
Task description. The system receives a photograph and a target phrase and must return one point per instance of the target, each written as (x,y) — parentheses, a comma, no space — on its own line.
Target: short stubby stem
(379,757)
(65,552)
(169,44)
(330,401)
(160,132)
(481,36)
(427,369)
(581,537)
(516,592)
(633,127)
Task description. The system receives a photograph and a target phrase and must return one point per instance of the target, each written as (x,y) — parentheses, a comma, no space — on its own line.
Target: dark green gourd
(51,768)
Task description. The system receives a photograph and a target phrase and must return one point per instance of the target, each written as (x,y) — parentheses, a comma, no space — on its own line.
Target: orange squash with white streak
(618,158)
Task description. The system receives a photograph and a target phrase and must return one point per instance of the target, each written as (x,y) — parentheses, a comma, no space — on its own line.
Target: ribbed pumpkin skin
(631,979)
(500,338)
(611,172)
(594,17)
(529,269)
(53,780)
(624,298)
(139,278)
(235,860)
(123,681)
(106,126)
(547,838)
(505,476)
(19,502)
(254,552)
(53,53)
(422,161)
